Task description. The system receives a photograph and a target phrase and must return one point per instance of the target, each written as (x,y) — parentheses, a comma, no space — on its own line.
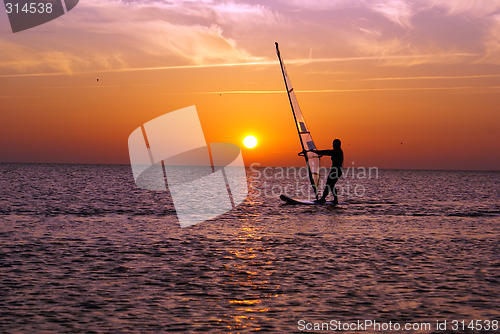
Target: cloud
(116,34)
(126,34)
(481,17)
(437,77)
(403,51)
(194,44)
(24,58)
(207,12)
(472,8)
(380,47)
(198,31)
(320,5)
(323,91)
(492,42)
(245,16)
(400,60)
(397,11)
(429,29)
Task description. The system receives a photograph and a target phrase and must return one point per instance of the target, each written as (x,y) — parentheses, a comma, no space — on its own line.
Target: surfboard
(292,201)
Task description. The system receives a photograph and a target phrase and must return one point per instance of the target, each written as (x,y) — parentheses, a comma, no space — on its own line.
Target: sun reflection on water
(247,279)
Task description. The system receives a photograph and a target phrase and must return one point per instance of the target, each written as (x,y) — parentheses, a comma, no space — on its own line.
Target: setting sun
(250,141)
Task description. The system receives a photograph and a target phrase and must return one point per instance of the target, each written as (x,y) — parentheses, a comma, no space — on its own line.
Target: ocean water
(82,249)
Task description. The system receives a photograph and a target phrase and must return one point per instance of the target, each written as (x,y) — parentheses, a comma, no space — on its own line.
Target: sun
(250,141)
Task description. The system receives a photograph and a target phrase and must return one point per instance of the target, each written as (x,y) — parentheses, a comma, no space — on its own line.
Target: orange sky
(404,84)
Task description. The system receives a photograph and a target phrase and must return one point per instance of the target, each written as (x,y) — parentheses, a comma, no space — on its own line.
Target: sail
(312,159)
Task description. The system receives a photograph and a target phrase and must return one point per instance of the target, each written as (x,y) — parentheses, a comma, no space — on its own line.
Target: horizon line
(128,164)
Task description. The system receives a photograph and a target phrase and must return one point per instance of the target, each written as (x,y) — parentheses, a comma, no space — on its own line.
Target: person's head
(336,143)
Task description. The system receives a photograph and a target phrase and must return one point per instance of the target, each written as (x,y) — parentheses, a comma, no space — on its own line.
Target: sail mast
(288,90)
(306,141)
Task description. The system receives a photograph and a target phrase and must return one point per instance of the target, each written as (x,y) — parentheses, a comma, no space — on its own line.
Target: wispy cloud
(441,77)
(132,34)
(124,35)
(320,5)
(397,11)
(145,69)
(195,44)
(205,12)
(399,59)
(322,91)
(30,58)
(492,42)
(461,26)
(402,51)
(191,31)
(472,8)
(404,8)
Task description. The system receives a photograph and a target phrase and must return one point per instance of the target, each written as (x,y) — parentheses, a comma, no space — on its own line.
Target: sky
(403,83)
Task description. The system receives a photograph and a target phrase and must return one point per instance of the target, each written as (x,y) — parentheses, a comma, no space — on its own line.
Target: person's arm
(322,152)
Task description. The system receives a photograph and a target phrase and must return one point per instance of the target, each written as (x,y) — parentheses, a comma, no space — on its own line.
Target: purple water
(83,250)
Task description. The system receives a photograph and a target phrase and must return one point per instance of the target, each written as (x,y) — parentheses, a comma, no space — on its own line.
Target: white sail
(312,159)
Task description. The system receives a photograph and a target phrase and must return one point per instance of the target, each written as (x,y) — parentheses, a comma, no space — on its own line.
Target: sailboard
(289,200)
(312,159)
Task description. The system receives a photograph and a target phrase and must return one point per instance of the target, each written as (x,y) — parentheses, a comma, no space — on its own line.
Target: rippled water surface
(82,249)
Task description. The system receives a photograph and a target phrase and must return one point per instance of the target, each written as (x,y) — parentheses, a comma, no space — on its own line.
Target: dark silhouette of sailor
(337,156)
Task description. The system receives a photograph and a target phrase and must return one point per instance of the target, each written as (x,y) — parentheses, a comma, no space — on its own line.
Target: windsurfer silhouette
(337,156)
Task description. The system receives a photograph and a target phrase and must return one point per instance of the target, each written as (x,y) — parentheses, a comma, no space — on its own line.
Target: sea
(84,250)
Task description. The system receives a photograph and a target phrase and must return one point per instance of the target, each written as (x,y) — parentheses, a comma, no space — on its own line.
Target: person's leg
(326,191)
(330,186)
(334,190)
